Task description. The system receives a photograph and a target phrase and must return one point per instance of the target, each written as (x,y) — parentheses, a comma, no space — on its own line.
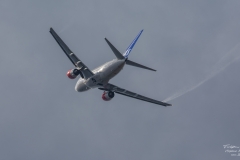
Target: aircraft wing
(73,58)
(113,88)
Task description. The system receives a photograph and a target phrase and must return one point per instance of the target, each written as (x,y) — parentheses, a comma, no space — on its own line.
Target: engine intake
(73,73)
(107,96)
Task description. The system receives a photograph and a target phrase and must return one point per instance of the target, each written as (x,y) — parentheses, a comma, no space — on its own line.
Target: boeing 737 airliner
(99,77)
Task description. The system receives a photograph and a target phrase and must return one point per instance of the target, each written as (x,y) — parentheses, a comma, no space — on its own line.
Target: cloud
(43,117)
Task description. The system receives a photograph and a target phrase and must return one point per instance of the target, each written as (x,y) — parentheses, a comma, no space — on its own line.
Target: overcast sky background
(43,117)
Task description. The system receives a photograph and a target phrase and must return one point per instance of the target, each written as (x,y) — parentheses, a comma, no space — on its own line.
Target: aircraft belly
(94,81)
(80,86)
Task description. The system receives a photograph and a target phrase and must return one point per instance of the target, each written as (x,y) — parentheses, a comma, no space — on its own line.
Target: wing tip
(168,105)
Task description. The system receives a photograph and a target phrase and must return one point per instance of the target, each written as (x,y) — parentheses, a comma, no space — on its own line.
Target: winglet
(129,49)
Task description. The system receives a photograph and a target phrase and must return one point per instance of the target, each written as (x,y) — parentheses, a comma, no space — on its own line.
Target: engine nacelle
(73,73)
(107,96)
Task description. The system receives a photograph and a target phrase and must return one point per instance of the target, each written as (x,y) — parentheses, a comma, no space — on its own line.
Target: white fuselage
(101,76)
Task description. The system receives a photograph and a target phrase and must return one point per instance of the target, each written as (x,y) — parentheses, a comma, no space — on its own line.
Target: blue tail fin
(129,49)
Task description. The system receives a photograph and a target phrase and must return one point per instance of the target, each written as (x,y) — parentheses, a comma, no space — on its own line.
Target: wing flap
(60,42)
(111,87)
(72,57)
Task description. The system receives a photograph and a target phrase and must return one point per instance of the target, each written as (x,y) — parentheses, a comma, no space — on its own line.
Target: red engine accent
(71,75)
(105,96)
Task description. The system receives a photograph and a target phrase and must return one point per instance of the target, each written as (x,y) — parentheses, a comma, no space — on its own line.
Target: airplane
(99,77)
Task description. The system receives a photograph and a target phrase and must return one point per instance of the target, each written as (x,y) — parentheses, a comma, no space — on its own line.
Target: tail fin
(129,49)
(127,52)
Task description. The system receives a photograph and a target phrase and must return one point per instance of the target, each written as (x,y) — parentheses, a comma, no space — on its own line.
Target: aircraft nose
(80,87)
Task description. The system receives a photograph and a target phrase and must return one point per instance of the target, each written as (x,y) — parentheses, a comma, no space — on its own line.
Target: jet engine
(107,96)
(73,73)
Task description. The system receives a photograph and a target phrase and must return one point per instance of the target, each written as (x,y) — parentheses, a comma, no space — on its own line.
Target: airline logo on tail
(129,49)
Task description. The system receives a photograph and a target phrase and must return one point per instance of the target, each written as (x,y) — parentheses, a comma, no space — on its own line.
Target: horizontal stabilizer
(115,51)
(131,63)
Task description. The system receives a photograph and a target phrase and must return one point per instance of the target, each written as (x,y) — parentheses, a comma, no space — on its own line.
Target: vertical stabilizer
(129,49)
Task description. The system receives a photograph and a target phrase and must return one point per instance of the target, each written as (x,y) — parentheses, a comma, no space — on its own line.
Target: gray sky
(43,117)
